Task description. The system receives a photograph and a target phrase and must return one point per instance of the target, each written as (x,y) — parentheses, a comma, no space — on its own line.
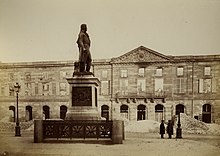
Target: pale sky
(47,30)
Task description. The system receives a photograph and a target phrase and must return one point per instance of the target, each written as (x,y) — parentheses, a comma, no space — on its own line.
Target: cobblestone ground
(140,144)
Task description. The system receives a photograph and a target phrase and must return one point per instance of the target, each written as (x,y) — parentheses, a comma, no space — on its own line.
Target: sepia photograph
(109,78)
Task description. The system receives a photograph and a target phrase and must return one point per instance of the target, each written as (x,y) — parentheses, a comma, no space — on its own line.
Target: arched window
(12,118)
(141,112)
(124,111)
(63,110)
(206,113)
(28,114)
(159,112)
(105,111)
(179,109)
(46,111)
(159,108)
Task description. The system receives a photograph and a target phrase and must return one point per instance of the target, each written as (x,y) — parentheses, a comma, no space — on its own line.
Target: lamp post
(17,127)
(179,129)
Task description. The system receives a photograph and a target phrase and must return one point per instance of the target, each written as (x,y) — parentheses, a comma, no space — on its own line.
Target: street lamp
(179,129)
(17,127)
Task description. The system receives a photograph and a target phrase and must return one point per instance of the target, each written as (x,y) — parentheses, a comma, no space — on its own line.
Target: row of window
(46,112)
(159,72)
(30,89)
(104,111)
(123,73)
(124,111)
(41,76)
(159,112)
(205,85)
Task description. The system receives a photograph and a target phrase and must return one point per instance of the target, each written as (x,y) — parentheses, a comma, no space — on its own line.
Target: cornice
(36,99)
(37,64)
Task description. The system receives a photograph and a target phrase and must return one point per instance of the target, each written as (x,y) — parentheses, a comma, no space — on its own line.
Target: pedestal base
(82,113)
(178,133)
(17,131)
(83,97)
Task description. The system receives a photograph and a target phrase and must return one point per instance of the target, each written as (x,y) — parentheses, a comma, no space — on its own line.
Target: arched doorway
(63,110)
(179,109)
(124,111)
(28,115)
(141,112)
(46,111)
(206,113)
(105,111)
(159,112)
(12,116)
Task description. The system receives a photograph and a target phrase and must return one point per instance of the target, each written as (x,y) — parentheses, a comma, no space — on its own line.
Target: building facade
(139,85)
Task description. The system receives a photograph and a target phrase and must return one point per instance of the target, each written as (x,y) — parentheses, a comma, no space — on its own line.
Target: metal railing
(76,129)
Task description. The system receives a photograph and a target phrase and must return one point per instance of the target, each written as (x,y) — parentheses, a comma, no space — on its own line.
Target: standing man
(162,129)
(83,42)
(170,129)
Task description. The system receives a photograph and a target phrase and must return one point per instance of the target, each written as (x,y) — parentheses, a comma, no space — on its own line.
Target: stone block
(38,131)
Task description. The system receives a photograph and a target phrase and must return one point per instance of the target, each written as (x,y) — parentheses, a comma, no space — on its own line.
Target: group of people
(169,129)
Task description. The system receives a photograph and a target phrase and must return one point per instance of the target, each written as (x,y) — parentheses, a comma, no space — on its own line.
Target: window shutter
(200,86)
(33,88)
(213,85)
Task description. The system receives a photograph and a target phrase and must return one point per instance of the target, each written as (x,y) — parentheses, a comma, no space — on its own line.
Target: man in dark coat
(84,42)
(162,128)
(170,129)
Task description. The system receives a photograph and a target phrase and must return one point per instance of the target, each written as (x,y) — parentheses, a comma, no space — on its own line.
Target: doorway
(141,112)
(105,112)
(159,113)
(206,113)
(28,115)
(46,111)
(63,110)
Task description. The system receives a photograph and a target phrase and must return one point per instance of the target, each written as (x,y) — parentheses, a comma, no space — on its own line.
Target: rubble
(142,126)
(188,124)
(194,126)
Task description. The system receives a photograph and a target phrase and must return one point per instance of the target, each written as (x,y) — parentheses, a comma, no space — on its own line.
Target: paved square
(134,144)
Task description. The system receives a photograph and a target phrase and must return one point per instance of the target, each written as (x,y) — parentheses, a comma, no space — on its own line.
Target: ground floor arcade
(206,111)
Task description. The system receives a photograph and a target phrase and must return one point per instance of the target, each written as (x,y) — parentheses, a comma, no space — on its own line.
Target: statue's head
(83,27)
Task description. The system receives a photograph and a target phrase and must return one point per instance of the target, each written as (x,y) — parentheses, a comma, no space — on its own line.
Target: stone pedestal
(83,97)
(117,132)
(38,131)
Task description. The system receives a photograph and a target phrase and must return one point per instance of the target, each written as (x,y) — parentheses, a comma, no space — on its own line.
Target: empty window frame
(179,71)
(124,73)
(207,71)
(141,72)
(159,72)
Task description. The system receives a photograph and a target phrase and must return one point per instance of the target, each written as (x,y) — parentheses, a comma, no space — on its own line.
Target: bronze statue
(83,42)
